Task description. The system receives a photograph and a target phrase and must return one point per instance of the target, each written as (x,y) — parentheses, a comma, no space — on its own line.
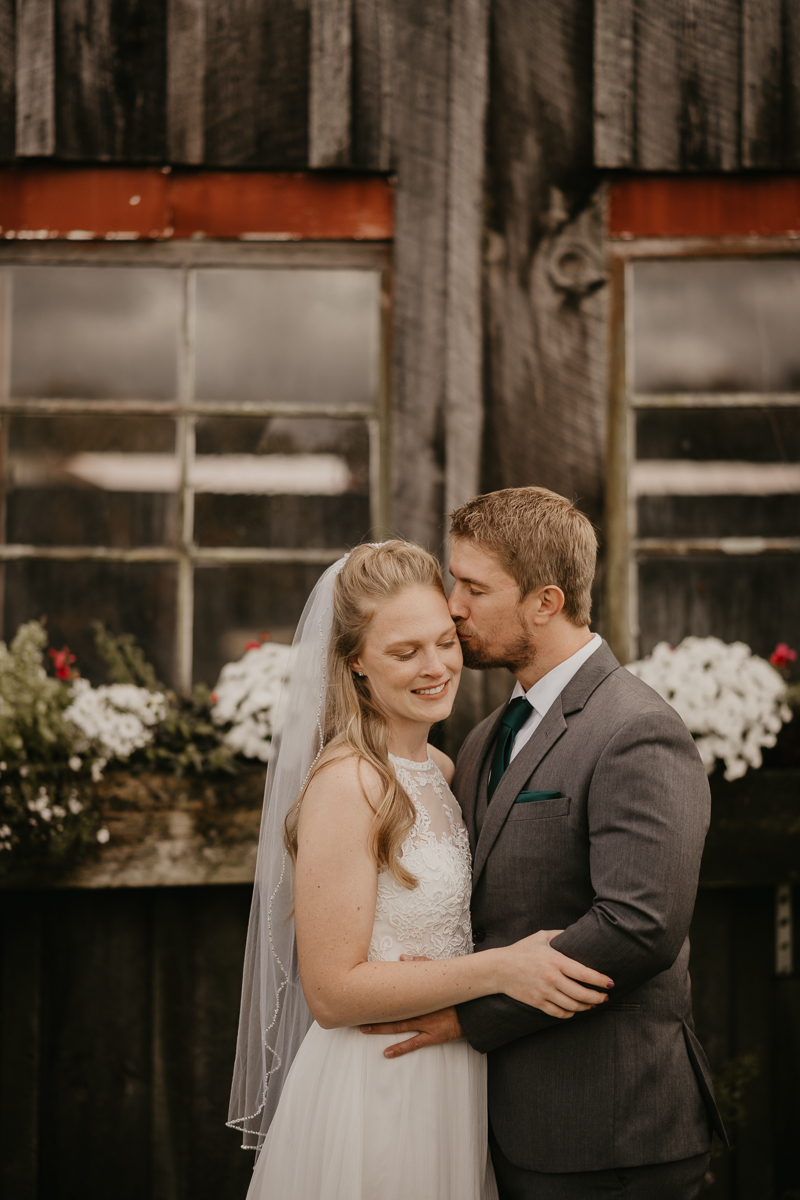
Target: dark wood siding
(119,1016)
(681,86)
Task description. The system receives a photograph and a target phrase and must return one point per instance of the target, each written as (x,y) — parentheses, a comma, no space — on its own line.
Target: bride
(361,910)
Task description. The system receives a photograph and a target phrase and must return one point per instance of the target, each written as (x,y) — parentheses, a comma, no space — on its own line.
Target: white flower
(117,719)
(5,831)
(732,701)
(246,697)
(103,835)
(97,769)
(58,811)
(74,805)
(75,763)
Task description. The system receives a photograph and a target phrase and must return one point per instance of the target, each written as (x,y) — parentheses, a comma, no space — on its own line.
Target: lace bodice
(433,920)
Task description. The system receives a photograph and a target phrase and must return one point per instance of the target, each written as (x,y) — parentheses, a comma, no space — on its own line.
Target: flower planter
(164,831)
(168,831)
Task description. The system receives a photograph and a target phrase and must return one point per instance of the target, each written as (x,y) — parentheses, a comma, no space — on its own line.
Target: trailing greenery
(43,781)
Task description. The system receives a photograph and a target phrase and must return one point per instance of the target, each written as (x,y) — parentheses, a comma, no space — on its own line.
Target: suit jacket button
(479,934)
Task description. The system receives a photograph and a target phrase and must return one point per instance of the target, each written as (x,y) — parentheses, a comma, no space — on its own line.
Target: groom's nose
(458,610)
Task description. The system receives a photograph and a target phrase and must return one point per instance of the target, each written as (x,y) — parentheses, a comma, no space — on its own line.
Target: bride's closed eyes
(442,646)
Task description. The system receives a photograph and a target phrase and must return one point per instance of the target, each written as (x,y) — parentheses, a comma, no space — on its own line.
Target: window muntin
(114,511)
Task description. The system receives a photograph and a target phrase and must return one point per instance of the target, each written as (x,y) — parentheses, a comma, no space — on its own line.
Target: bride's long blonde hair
(353,722)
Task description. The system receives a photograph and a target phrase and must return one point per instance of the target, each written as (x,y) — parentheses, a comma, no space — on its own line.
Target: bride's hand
(536,974)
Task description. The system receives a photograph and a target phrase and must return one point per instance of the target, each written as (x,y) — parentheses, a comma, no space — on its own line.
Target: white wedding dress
(353,1125)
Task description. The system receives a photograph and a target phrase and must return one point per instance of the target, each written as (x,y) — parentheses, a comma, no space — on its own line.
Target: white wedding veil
(274,1017)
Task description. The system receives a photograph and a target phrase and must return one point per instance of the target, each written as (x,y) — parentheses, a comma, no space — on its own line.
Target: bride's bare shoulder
(445,764)
(344,779)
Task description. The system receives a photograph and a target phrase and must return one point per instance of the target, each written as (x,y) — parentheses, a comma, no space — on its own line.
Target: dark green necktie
(514,718)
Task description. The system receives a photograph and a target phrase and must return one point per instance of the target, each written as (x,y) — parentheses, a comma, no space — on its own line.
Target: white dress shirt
(544,694)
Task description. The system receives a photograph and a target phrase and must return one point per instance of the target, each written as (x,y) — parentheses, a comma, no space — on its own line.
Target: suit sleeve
(648,812)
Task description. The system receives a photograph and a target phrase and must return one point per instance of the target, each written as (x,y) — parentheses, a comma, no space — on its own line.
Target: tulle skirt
(353,1125)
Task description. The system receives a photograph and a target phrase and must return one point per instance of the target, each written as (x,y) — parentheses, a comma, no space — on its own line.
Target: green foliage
(186,742)
(124,659)
(41,810)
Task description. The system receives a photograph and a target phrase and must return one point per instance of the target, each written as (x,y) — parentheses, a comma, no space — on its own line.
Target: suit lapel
(509,787)
(469,773)
(574,696)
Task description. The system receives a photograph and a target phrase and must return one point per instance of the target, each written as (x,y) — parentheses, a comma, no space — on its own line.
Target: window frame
(186,255)
(624,548)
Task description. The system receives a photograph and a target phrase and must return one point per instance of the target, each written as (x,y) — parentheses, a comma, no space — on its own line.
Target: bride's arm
(336,882)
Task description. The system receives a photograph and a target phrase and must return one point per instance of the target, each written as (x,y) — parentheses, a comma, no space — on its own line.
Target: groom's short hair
(539,538)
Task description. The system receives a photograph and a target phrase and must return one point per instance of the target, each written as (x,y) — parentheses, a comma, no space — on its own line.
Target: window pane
(281,482)
(720,597)
(95,332)
(92,481)
(746,434)
(236,604)
(297,336)
(137,598)
(719,472)
(716,325)
(718,516)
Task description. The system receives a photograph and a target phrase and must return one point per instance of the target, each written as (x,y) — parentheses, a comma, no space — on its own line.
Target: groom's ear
(548,601)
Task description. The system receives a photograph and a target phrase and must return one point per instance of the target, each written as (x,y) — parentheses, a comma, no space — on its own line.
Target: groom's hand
(431,1030)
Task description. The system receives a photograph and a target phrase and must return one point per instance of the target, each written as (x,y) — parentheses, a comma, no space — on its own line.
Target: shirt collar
(546,691)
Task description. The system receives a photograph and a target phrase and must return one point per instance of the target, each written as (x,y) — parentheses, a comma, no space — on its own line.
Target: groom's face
(486,606)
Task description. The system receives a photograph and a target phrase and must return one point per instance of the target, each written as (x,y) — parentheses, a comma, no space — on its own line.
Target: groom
(587,806)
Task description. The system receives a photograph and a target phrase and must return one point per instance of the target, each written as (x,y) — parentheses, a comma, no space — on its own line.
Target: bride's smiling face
(412,657)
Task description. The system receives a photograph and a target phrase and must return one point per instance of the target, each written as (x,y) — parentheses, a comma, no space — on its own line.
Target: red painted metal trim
(704,206)
(123,203)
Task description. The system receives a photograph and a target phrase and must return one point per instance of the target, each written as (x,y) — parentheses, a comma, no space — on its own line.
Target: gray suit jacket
(613,862)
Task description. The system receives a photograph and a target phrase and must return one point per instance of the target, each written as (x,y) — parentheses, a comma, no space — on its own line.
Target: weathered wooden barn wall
(498,119)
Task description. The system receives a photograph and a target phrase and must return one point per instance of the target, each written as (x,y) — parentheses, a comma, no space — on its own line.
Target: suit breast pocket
(540,810)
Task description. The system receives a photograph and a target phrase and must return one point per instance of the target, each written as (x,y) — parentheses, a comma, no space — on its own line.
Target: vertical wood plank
(217,1166)
(111,84)
(330,84)
(419,125)
(753,982)
(20,1011)
(35,78)
(96,1046)
(257,64)
(172,1041)
(613,83)
(658,85)
(545,264)
(8,120)
(468,77)
(791,85)
(372,84)
(762,93)
(186,62)
(468,83)
(710,83)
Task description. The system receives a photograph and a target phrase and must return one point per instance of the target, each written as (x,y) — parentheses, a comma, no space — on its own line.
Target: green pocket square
(529,797)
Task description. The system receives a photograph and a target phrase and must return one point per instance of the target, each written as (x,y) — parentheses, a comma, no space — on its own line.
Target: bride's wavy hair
(353,721)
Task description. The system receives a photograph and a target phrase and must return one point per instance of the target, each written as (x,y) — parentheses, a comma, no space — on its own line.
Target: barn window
(191,433)
(704,471)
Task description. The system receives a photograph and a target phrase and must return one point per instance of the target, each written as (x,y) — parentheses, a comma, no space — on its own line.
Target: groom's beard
(514,651)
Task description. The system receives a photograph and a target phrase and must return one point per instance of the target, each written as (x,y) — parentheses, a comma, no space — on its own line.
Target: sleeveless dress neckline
(412,764)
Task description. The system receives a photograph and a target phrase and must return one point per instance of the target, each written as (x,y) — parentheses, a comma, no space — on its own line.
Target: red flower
(253,646)
(62,659)
(782,656)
